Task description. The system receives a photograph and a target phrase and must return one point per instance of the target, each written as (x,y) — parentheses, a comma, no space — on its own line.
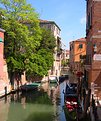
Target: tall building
(93,36)
(77,52)
(51,25)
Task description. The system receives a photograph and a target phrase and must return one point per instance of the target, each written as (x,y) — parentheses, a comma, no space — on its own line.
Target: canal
(46,104)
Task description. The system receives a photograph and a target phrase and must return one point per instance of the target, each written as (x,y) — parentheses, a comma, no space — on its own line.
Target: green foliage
(42,61)
(27,47)
(48,57)
(65,62)
(18,10)
(48,41)
(21,40)
(16,64)
(46,50)
(36,66)
(39,63)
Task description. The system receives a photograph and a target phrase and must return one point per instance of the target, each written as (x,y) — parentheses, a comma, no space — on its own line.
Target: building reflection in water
(4,108)
(23,102)
(30,106)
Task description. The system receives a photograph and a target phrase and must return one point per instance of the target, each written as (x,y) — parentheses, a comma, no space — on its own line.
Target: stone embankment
(5,88)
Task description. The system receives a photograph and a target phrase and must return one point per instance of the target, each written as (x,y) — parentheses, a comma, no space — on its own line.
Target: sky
(69,15)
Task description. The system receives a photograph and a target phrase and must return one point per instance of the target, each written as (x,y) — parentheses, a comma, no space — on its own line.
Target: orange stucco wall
(79,51)
(75,52)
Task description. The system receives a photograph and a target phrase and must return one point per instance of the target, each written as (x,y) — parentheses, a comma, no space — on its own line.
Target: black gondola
(71,101)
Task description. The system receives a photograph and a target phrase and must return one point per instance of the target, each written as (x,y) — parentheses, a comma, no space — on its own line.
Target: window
(71,47)
(80,46)
(94,48)
(49,26)
(80,56)
(89,19)
(1,40)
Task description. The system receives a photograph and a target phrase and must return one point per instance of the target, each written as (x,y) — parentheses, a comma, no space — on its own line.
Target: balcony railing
(58,58)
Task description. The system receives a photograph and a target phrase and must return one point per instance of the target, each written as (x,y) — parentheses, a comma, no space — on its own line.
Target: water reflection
(4,108)
(44,104)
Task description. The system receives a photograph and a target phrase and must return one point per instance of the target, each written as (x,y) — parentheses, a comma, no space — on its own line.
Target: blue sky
(69,15)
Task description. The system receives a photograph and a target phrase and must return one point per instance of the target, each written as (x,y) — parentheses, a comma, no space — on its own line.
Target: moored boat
(53,79)
(71,106)
(71,102)
(63,77)
(31,86)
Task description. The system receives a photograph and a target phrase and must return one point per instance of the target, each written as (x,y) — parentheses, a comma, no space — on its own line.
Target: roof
(48,22)
(2,30)
(79,40)
(43,21)
(67,51)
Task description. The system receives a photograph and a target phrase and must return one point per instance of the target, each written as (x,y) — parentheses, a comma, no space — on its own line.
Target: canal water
(46,104)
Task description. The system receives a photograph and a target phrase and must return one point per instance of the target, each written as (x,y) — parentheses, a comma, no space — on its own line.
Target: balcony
(59,51)
(58,58)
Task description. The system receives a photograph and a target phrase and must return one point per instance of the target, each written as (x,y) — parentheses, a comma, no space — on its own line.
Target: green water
(30,112)
(31,106)
(43,105)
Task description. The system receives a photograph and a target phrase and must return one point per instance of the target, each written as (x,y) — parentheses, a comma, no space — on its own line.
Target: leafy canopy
(21,39)
(27,47)
(42,61)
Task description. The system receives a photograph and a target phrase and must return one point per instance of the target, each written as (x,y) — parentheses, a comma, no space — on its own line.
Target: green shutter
(1,40)
(80,45)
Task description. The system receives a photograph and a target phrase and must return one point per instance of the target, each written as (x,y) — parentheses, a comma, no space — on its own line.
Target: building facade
(1,53)
(93,59)
(65,55)
(77,51)
(51,25)
(4,81)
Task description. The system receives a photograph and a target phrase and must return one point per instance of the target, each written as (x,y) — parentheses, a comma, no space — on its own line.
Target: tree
(47,46)
(27,47)
(21,40)
(48,40)
(42,61)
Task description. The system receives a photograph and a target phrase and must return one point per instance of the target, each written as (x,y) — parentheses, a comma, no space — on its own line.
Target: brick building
(4,81)
(93,58)
(93,34)
(1,53)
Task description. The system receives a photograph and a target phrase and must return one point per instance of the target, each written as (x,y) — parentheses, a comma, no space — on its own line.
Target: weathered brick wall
(1,54)
(4,80)
(94,32)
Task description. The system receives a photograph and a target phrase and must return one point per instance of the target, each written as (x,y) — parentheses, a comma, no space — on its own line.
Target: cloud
(83,20)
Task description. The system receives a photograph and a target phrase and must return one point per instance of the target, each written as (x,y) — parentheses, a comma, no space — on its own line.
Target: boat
(71,105)
(53,79)
(30,86)
(63,77)
(71,102)
(53,85)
